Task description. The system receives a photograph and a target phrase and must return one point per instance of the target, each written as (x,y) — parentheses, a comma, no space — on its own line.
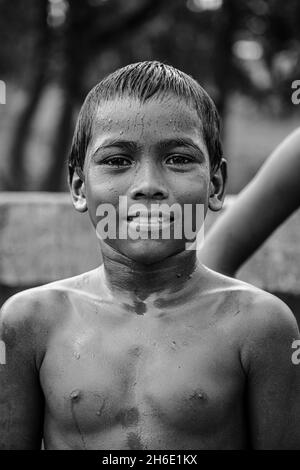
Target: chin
(150,251)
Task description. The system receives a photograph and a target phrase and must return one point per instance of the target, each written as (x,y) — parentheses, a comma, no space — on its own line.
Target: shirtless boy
(151,350)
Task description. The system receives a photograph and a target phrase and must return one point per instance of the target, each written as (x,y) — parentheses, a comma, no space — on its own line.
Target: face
(151,154)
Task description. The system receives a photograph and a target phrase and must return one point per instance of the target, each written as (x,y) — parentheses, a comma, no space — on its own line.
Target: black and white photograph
(149,228)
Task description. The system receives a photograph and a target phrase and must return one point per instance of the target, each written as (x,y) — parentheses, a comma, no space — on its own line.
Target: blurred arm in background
(272,195)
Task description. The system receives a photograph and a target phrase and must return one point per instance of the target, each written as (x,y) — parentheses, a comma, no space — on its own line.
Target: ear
(217,187)
(77,189)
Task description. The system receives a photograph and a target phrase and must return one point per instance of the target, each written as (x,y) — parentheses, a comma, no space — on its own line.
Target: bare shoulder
(30,305)
(25,305)
(265,327)
(28,317)
(265,314)
(257,313)
(25,321)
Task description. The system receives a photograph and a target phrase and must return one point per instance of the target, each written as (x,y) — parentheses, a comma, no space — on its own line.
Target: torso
(164,378)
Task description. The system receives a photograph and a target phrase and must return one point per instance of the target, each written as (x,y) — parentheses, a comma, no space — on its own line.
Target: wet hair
(142,81)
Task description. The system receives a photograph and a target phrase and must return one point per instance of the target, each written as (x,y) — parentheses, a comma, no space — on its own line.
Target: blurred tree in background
(53,51)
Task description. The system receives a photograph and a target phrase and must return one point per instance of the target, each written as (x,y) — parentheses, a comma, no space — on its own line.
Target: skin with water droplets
(169,377)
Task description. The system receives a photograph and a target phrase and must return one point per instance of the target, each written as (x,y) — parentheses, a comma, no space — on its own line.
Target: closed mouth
(151,219)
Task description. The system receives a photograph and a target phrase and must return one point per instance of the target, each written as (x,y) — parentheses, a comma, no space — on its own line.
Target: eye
(179,160)
(117,162)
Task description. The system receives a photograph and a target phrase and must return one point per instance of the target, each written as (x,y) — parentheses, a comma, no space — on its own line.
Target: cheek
(194,203)
(100,190)
(192,190)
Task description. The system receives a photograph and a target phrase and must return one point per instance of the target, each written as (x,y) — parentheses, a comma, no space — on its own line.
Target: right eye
(117,162)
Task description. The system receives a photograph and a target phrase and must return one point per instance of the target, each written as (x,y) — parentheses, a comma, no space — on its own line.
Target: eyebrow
(179,142)
(107,143)
(162,144)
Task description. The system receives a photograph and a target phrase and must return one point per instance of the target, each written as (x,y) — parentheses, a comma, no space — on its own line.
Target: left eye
(178,160)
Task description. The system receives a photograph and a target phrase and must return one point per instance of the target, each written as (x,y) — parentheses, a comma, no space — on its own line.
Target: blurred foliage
(249,46)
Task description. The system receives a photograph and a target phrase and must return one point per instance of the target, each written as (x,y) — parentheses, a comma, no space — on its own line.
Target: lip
(157,222)
(150,218)
(144,225)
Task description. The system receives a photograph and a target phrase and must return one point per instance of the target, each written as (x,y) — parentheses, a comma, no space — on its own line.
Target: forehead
(156,117)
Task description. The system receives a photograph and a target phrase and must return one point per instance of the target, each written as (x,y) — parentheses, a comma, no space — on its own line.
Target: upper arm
(273,380)
(258,210)
(21,398)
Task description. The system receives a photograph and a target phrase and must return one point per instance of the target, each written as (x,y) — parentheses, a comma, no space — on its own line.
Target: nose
(149,183)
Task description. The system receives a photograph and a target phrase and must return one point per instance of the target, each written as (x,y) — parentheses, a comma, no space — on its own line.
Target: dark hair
(142,81)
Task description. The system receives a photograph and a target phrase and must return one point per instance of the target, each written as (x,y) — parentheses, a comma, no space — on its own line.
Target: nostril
(149,195)
(139,195)
(149,189)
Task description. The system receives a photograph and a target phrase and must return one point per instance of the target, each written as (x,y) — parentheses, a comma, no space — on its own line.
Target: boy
(152,350)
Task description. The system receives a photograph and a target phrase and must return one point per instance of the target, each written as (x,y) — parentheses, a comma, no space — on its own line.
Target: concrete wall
(42,238)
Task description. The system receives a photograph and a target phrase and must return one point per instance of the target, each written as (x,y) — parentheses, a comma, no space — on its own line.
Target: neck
(124,275)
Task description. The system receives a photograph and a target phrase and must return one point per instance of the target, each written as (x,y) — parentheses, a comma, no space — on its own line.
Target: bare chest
(142,374)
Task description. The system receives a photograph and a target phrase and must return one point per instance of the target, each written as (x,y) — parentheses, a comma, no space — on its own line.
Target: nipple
(75,395)
(198,396)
